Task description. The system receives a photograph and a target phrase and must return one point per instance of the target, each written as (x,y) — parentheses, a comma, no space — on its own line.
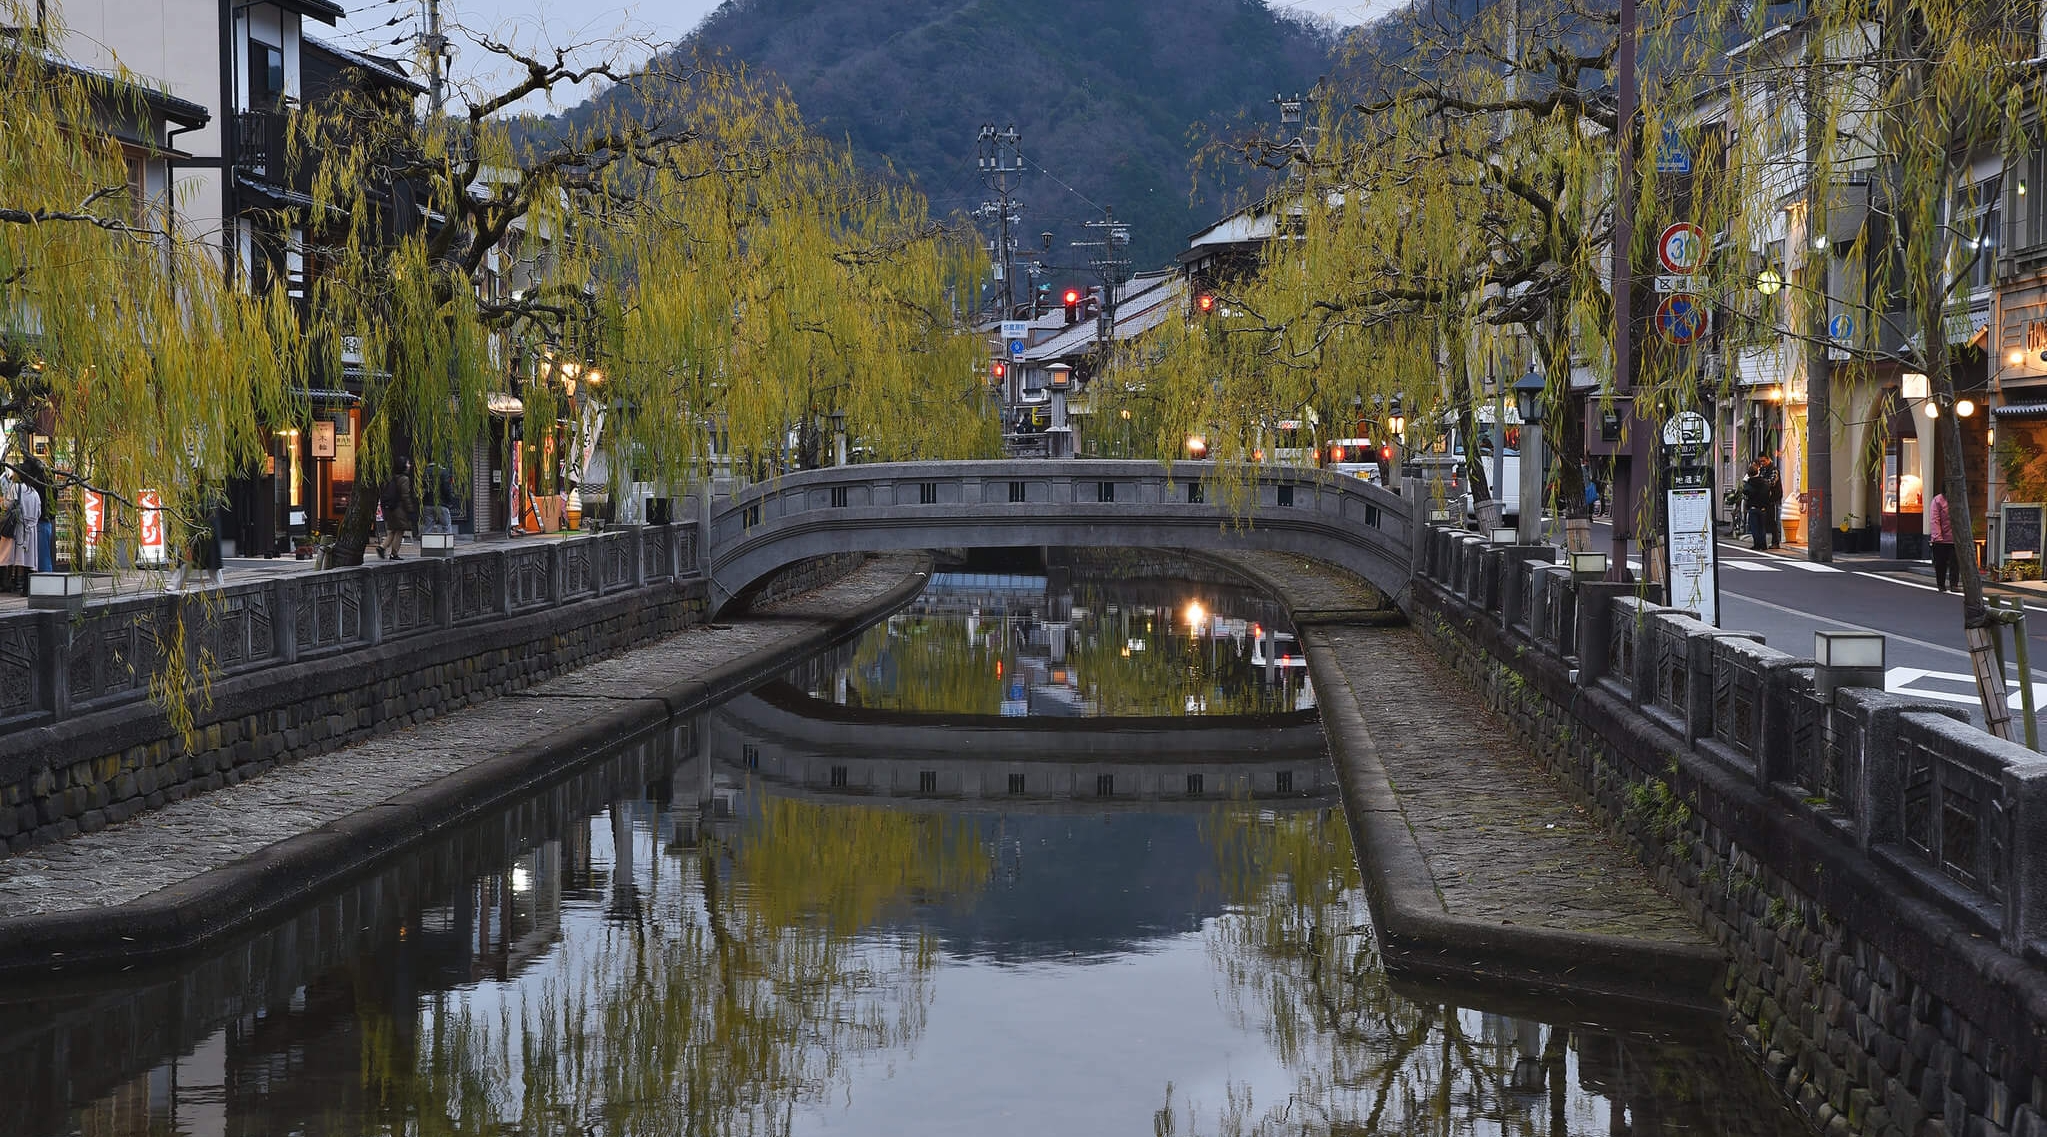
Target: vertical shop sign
(150,550)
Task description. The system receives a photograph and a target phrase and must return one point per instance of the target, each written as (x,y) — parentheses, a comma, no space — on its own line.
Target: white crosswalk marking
(1811,567)
(1750,566)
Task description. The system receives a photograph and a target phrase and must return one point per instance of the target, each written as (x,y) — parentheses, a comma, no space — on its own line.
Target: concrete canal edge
(206,909)
(1418,936)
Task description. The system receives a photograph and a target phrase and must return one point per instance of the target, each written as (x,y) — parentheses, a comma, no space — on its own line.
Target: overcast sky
(373,24)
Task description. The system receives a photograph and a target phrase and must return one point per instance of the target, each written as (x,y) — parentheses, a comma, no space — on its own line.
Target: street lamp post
(838,438)
(1528,401)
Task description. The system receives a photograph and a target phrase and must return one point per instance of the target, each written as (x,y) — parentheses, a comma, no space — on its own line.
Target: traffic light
(998,371)
(1071,298)
(1205,303)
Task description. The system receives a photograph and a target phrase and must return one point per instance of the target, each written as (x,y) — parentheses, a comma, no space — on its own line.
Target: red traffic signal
(1070,297)
(1205,303)
(998,370)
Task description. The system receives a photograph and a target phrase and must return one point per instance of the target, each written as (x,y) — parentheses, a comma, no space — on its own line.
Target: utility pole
(1623,296)
(1109,257)
(999,157)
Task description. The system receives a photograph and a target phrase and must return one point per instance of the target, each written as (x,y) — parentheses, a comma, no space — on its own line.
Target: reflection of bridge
(810,746)
(1072,503)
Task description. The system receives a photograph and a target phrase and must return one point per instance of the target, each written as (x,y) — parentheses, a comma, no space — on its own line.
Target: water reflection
(720,928)
(1092,633)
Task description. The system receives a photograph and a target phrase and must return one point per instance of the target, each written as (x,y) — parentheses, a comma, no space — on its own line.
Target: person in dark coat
(1755,492)
(397,502)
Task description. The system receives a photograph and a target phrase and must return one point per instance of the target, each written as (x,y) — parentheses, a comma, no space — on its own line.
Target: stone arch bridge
(1072,502)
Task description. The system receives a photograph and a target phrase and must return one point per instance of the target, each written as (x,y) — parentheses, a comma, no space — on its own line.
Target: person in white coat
(18,553)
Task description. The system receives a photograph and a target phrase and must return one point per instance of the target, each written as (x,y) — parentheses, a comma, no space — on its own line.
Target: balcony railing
(260,145)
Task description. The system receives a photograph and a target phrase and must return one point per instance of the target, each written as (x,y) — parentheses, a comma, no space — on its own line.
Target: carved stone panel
(405,601)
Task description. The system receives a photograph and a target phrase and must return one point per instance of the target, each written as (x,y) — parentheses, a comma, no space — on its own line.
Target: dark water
(731,926)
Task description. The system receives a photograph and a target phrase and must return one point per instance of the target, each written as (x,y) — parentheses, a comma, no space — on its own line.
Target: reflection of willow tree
(1302,964)
(1303,967)
(930,665)
(742,993)
(1174,668)
(927,664)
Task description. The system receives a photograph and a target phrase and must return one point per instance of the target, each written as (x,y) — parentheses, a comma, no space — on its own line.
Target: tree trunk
(358,525)
(1467,429)
(1819,370)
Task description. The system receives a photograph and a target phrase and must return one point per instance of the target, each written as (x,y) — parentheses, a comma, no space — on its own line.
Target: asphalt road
(1787,598)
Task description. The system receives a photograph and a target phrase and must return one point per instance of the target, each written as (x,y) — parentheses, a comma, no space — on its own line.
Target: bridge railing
(57,665)
(1958,815)
(947,498)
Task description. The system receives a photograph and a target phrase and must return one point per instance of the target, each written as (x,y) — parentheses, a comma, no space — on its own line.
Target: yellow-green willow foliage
(776,283)
(1865,127)
(732,276)
(115,323)
(751,981)
(1426,225)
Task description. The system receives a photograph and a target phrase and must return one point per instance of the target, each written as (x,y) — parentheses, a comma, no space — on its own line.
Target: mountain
(1113,98)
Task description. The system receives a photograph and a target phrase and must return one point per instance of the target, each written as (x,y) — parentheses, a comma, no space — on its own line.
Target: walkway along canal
(785,914)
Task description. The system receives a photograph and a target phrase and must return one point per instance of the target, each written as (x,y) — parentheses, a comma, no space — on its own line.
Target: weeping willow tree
(734,278)
(748,989)
(1466,195)
(118,334)
(1855,135)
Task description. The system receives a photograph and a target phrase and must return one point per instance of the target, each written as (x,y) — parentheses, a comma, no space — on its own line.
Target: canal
(1057,849)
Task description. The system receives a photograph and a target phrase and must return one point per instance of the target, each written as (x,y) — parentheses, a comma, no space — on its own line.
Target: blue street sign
(1842,327)
(1016,349)
(1672,156)
(1681,318)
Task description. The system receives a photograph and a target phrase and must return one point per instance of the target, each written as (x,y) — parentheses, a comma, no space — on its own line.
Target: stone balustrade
(1875,866)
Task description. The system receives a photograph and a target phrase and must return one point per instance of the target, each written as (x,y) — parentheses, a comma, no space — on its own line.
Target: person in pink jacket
(1942,529)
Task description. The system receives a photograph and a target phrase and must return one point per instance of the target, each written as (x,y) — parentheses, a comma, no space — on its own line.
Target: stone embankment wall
(1875,870)
(306,664)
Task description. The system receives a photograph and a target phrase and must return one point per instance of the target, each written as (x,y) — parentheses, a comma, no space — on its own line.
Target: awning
(331,396)
(2020,410)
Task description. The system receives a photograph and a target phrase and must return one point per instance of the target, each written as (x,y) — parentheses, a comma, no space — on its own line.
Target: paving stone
(1503,839)
(201,831)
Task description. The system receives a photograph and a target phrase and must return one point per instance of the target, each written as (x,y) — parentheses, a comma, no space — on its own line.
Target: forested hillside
(1113,97)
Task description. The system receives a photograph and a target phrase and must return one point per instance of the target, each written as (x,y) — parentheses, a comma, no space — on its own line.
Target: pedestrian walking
(1755,492)
(21,514)
(435,515)
(1774,517)
(36,476)
(396,501)
(1941,528)
(1591,490)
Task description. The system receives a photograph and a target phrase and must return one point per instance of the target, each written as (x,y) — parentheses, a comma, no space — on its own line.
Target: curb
(202,910)
(1418,937)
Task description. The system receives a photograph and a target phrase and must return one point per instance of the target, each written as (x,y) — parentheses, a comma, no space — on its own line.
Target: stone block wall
(364,652)
(1890,979)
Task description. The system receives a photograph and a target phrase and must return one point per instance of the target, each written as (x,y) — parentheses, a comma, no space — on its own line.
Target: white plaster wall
(173,45)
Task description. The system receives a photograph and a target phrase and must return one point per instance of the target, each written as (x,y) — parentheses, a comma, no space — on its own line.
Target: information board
(1694,555)
(2021,529)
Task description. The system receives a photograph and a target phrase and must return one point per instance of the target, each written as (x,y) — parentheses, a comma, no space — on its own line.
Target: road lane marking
(1750,566)
(1818,619)
(1810,566)
(1900,680)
